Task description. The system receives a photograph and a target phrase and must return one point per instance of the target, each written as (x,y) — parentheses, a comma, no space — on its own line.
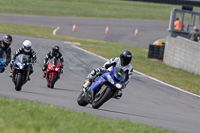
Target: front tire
(18,84)
(81,99)
(105,96)
(52,80)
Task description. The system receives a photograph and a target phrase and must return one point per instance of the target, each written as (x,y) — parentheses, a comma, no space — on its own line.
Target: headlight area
(21,66)
(110,79)
(118,86)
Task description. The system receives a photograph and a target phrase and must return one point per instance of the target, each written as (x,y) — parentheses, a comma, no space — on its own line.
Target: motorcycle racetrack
(144,100)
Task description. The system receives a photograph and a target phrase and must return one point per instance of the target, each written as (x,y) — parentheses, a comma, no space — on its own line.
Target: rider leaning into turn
(53,53)
(122,62)
(5,46)
(26,50)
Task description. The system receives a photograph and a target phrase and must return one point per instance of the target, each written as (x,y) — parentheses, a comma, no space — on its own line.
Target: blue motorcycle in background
(103,88)
(2,60)
(21,69)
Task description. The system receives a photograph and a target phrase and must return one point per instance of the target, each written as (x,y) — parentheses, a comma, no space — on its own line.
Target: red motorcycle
(53,72)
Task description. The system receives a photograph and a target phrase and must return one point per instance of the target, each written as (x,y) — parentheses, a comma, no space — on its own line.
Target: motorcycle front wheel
(53,79)
(18,84)
(102,98)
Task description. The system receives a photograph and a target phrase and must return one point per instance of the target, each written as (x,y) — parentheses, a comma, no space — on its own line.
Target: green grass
(29,117)
(89,8)
(177,77)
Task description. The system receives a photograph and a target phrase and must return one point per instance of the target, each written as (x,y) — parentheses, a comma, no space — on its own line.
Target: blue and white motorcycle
(2,60)
(103,88)
(21,70)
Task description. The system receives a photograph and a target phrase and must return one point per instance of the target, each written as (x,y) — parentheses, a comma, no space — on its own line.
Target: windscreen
(119,73)
(54,62)
(23,58)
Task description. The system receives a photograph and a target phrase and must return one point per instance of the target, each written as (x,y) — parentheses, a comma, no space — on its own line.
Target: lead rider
(122,62)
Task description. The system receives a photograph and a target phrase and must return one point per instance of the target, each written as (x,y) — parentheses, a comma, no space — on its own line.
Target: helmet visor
(8,42)
(27,48)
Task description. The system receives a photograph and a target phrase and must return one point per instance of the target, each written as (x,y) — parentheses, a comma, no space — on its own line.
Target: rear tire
(18,84)
(103,99)
(81,99)
(52,80)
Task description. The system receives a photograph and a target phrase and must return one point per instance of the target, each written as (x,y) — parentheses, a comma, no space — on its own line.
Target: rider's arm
(34,58)
(109,63)
(128,76)
(46,58)
(61,59)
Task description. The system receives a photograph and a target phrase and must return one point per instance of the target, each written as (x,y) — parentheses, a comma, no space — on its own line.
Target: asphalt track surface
(144,100)
(120,31)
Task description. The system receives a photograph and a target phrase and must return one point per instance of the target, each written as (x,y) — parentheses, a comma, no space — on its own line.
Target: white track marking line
(54,31)
(141,73)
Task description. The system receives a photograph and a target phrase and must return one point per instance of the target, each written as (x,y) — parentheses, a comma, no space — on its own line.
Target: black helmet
(55,50)
(125,57)
(7,40)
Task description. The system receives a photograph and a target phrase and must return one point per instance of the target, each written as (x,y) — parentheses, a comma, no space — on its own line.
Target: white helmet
(27,45)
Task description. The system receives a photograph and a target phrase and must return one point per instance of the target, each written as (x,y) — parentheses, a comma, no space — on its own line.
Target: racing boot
(117,94)
(89,81)
(2,70)
(61,72)
(28,78)
(11,74)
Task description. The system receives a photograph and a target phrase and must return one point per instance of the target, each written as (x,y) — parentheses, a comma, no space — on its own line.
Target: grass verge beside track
(120,9)
(177,77)
(28,117)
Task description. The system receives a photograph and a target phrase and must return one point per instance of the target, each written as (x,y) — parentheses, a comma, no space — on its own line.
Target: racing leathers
(50,56)
(7,51)
(31,54)
(128,69)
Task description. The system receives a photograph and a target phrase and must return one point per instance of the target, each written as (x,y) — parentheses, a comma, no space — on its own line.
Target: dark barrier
(156,51)
(151,51)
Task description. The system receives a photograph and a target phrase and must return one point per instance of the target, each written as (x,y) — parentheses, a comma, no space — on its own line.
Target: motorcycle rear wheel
(103,98)
(81,99)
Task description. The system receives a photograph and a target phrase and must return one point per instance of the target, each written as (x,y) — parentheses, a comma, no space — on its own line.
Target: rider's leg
(44,68)
(31,71)
(11,74)
(91,76)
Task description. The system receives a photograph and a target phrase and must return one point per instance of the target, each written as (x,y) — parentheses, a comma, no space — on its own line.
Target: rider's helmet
(7,40)
(125,57)
(27,46)
(55,50)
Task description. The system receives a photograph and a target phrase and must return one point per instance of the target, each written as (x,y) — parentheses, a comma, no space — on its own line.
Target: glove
(100,70)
